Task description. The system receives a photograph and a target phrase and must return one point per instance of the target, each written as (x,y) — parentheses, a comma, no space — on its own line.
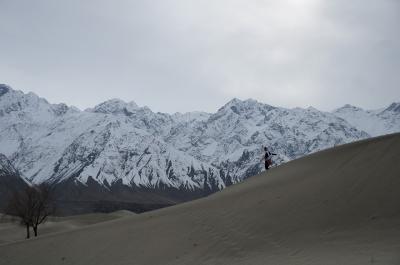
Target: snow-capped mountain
(119,143)
(373,122)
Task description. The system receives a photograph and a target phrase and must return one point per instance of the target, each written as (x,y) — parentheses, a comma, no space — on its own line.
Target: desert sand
(11,231)
(339,206)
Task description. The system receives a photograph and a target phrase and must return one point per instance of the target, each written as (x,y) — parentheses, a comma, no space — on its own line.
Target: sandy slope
(10,231)
(340,206)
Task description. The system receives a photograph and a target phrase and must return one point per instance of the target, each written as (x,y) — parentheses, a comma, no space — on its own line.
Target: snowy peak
(18,105)
(233,102)
(242,106)
(4,89)
(373,122)
(115,106)
(348,108)
(394,107)
(242,109)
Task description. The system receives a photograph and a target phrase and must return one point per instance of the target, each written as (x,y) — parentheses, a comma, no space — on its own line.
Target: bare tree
(43,206)
(31,206)
(20,205)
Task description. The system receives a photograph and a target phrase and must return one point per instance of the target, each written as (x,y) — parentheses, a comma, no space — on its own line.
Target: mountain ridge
(119,143)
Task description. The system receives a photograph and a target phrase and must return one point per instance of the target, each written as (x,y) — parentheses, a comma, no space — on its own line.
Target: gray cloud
(195,55)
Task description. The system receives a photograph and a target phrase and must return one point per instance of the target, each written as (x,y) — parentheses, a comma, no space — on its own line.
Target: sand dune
(10,231)
(339,206)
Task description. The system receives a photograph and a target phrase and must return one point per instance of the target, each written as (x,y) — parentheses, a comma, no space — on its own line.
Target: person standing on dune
(267,158)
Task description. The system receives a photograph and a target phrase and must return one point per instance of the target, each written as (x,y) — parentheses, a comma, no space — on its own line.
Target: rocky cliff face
(10,180)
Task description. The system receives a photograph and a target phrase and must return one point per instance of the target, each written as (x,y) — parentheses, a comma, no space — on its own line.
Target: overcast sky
(189,55)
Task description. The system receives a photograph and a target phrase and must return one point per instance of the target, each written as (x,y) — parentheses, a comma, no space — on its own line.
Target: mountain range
(121,149)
